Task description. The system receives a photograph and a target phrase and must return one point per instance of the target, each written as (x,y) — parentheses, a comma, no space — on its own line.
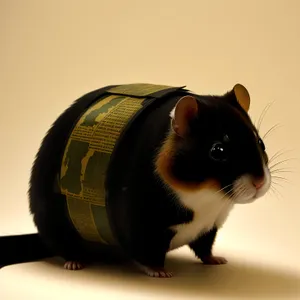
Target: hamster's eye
(218,152)
(261,144)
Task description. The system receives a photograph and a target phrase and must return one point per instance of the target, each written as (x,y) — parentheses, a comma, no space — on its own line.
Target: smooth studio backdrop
(52,52)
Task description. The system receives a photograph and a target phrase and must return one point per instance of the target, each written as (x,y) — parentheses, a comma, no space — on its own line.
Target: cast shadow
(191,278)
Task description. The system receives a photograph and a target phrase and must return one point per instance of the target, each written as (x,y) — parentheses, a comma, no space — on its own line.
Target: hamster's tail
(17,249)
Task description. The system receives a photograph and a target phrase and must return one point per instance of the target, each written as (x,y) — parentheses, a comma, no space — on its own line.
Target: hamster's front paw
(214,260)
(73,265)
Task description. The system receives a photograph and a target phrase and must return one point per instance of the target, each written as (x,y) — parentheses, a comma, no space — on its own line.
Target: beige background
(52,52)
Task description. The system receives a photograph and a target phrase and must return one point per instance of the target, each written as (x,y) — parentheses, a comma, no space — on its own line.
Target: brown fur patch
(164,163)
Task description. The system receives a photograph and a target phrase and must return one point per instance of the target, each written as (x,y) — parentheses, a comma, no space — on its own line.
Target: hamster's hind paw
(158,273)
(73,265)
(154,272)
(214,260)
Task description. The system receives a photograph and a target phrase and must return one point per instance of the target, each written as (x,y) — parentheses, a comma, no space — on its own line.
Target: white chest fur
(210,208)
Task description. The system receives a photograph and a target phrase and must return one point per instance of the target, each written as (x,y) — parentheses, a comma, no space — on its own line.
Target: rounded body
(143,169)
(93,183)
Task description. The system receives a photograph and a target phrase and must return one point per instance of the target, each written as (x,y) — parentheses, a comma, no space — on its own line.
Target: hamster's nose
(258,183)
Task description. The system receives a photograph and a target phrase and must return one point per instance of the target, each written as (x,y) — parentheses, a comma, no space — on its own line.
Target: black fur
(202,246)
(47,206)
(146,208)
(220,120)
(22,248)
(153,209)
(143,207)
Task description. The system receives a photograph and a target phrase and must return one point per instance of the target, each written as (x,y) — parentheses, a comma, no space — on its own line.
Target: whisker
(262,115)
(278,154)
(281,178)
(281,162)
(280,171)
(264,112)
(225,187)
(239,195)
(276,190)
(275,155)
(273,192)
(227,193)
(239,192)
(225,197)
(274,182)
(276,126)
(222,189)
(271,189)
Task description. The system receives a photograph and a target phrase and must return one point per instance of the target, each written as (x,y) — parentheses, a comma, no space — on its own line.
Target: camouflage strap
(87,155)
(142,89)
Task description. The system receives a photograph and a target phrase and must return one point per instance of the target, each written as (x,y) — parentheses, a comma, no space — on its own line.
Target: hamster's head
(214,144)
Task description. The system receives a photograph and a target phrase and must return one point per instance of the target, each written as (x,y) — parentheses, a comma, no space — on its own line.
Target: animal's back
(46,203)
(49,206)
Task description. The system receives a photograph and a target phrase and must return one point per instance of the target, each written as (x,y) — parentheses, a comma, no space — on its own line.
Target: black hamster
(168,178)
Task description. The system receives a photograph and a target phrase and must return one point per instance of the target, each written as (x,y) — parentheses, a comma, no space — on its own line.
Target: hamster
(193,158)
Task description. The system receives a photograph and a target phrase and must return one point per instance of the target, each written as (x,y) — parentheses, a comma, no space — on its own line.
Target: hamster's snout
(248,188)
(258,183)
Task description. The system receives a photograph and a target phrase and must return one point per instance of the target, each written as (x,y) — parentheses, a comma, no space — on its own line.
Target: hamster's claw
(158,273)
(214,260)
(73,265)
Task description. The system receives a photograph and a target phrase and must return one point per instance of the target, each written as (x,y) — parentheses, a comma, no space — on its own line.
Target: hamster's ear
(185,110)
(242,96)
